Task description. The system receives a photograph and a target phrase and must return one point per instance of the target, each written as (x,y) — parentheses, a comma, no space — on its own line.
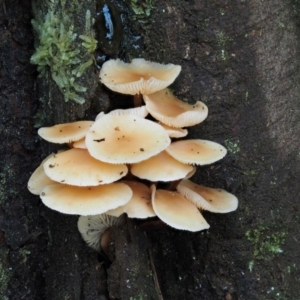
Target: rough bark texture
(241,58)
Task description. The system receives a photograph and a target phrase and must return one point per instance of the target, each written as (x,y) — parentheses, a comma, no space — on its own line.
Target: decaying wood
(238,57)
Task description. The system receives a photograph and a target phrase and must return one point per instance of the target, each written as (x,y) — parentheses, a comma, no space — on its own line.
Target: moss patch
(62,50)
(266,245)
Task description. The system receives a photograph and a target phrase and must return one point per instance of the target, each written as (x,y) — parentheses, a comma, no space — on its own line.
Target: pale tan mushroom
(77,200)
(96,230)
(176,211)
(168,109)
(199,152)
(136,111)
(125,139)
(214,200)
(38,179)
(80,144)
(138,77)
(78,167)
(161,167)
(65,133)
(174,132)
(139,206)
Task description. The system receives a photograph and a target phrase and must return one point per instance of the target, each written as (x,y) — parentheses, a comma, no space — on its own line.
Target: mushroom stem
(104,241)
(138,100)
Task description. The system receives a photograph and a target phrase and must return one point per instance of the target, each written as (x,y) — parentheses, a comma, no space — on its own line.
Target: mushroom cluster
(120,162)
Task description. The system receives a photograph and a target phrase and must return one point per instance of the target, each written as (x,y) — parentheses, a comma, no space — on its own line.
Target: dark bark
(241,58)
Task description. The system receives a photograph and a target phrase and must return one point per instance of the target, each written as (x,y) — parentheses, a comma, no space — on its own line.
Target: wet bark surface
(241,58)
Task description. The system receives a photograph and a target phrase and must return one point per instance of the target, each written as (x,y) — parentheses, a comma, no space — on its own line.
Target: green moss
(232,146)
(141,9)
(266,245)
(60,49)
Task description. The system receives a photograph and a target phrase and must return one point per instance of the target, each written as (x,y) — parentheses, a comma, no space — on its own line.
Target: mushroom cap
(199,152)
(80,144)
(78,167)
(125,139)
(138,77)
(136,111)
(65,133)
(192,173)
(173,209)
(92,228)
(101,114)
(139,206)
(77,200)
(214,200)
(38,179)
(174,132)
(168,109)
(161,167)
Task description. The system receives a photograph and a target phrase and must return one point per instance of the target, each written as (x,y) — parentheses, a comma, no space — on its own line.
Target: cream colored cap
(139,206)
(138,77)
(161,167)
(214,200)
(38,179)
(173,209)
(199,152)
(80,144)
(125,139)
(136,111)
(168,109)
(174,132)
(78,167)
(77,200)
(65,133)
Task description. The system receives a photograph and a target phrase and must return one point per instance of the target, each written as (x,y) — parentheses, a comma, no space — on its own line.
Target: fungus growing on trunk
(65,133)
(78,167)
(96,230)
(213,200)
(176,211)
(138,77)
(93,200)
(198,152)
(151,168)
(168,109)
(125,139)
(139,206)
(38,179)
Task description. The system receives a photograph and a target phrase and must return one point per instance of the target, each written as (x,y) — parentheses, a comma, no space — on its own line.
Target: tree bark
(241,58)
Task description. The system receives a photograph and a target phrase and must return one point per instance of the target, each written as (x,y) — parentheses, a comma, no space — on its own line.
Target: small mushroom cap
(38,179)
(173,209)
(139,206)
(80,144)
(166,108)
(174,132)
(77,200)
(78,167)
(65,133)
(136,111)
(161,167)
(92,228)
(199,152)
(192,173)
(138,77)
(101,114)
(214,200)
(125,139)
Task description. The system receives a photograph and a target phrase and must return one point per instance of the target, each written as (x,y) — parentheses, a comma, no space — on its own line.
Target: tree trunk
(241,58)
